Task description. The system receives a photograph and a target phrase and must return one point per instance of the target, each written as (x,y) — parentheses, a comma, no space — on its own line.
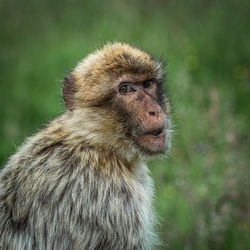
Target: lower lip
(155,143)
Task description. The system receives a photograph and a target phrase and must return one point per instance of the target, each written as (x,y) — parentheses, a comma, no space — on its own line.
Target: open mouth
(157,132)
(152,141)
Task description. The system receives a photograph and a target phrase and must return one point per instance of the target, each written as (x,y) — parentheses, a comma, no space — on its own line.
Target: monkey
(81,182)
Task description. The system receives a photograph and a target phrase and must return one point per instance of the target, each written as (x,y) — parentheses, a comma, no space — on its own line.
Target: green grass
(202,188)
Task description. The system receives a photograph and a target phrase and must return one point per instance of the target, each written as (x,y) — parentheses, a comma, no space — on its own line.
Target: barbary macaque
(81,182)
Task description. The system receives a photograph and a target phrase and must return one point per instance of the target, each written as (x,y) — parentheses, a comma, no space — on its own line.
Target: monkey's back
(53,196)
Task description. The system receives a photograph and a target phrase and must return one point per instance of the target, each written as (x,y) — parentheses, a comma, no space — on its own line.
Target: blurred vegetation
(202,189)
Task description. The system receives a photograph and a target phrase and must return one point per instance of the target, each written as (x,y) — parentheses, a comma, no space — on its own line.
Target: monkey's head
(121,89)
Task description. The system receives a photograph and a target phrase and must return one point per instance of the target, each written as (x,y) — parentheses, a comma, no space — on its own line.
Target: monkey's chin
(152,144)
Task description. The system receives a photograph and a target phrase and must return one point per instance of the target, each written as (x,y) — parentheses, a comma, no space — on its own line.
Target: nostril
(152,113)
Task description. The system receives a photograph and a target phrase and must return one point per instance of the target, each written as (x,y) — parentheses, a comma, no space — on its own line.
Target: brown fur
(81,183)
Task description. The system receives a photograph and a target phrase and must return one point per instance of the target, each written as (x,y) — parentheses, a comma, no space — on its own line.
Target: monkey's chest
(122,213)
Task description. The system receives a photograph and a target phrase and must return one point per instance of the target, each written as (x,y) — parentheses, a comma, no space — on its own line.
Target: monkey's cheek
(152,143)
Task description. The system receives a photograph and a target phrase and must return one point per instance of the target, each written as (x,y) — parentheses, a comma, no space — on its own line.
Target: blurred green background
(202,188)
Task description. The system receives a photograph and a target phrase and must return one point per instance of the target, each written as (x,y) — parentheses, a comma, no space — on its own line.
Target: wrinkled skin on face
(141,104)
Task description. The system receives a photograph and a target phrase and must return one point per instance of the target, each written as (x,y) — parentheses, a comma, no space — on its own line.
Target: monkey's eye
(125,88)
(147,84)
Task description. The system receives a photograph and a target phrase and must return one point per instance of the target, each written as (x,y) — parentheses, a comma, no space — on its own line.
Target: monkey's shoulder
(47,170)
(46,180)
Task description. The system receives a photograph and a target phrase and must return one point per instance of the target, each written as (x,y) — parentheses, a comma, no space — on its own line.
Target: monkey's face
(141,104)
(122,86)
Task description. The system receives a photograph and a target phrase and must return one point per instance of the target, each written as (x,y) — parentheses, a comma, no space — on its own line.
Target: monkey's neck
(82,132)
(109,163)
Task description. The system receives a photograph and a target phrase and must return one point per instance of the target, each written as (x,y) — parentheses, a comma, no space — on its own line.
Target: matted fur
(80,183)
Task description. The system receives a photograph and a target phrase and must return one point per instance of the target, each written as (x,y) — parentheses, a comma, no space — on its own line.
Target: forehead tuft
(118,58)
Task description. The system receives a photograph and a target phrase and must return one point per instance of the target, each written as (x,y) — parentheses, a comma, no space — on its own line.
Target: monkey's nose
(156,116)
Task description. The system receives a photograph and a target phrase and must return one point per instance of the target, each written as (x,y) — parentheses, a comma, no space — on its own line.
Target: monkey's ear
(69,90)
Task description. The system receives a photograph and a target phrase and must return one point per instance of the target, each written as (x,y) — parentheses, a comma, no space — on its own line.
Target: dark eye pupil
(146,84)
(124,89)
